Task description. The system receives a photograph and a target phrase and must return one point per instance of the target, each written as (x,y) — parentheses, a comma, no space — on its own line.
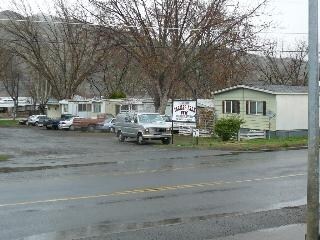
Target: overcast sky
(290,18)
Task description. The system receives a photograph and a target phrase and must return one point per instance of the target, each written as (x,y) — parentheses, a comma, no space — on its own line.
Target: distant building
(25,104)
(91,108)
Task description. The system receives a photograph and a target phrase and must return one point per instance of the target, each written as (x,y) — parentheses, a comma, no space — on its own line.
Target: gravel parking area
(32,148)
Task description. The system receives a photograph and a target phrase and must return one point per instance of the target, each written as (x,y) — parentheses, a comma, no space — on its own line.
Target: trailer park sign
(184,111)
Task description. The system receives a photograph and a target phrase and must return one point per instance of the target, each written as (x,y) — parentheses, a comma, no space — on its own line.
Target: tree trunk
(15,109)
(42,108)
(160,104)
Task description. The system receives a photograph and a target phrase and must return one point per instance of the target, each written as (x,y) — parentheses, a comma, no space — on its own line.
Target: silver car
(142,127)
(34,119)
(107,125)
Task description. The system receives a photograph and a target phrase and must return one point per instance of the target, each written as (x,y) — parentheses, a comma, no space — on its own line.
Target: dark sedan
(51,124)
(42,120)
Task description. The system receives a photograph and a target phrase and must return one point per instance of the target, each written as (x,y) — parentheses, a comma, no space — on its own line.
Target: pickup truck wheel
(71,128)
(140,139)
(165,141)
(121,137)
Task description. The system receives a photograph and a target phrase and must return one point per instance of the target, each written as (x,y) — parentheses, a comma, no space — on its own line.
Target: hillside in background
(254,74)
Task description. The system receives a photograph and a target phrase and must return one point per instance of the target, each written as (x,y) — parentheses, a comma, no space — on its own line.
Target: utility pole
(313,129)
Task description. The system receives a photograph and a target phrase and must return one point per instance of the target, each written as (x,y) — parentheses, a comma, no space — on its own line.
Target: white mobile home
(25,104)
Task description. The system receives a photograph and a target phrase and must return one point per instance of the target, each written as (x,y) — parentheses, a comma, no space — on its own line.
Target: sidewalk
(290,232)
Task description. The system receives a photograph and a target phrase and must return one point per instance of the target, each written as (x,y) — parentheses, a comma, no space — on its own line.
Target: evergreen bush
(228,127)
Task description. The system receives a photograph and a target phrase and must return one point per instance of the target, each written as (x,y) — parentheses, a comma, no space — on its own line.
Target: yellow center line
(152,171)
(151,189)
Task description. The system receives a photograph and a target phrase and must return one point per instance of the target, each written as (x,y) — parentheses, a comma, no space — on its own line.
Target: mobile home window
(84,107)
(256,107)
(65,108)
(231,106)
(134,107)
(97,107)
(124,108)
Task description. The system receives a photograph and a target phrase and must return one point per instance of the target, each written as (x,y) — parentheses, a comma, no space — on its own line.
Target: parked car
(23,121)
(30,119)
(166,118)
(107,125)
(34,119)
(90,124)
(52,124)
(42,120)
(142,126)
(67,124)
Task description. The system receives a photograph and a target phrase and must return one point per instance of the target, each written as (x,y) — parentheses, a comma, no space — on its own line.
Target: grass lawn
(8,123)
(245,145)
(4,157)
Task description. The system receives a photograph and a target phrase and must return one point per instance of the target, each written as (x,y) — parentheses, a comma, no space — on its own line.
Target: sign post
(172,123)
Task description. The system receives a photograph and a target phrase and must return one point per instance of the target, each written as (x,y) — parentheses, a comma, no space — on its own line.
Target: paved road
(70,185)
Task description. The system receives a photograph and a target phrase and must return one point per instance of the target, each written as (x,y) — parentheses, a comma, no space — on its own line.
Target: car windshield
(149,118)
(166,118)
(108,120)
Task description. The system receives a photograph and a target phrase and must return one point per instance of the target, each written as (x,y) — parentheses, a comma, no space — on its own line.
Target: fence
(187,131)
(253,134)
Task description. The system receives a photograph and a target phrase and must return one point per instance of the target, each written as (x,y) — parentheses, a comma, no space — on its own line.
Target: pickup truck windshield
(149,118)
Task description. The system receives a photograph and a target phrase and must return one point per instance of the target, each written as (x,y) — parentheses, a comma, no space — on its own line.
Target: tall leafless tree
(38,89)
(221,69)
(168,37)
(10,76)
(63,51)
(112,73)
(118,73)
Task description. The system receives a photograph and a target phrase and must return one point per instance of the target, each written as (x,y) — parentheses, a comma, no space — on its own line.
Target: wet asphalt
(76,185)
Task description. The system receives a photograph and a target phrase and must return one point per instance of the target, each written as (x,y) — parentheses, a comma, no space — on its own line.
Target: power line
(48,22)
(137,27)
(286,33)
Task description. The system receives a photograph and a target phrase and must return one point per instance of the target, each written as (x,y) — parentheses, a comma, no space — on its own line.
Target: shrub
(228,127)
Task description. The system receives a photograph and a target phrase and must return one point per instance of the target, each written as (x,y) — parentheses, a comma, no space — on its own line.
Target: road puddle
(49,167)
(111,228)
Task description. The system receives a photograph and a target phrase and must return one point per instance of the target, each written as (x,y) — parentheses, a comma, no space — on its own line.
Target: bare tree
(112,73)
(118,72)
(167,37)
(221,69)
(10,75)
(63,51)
(38,89)
(288,68)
